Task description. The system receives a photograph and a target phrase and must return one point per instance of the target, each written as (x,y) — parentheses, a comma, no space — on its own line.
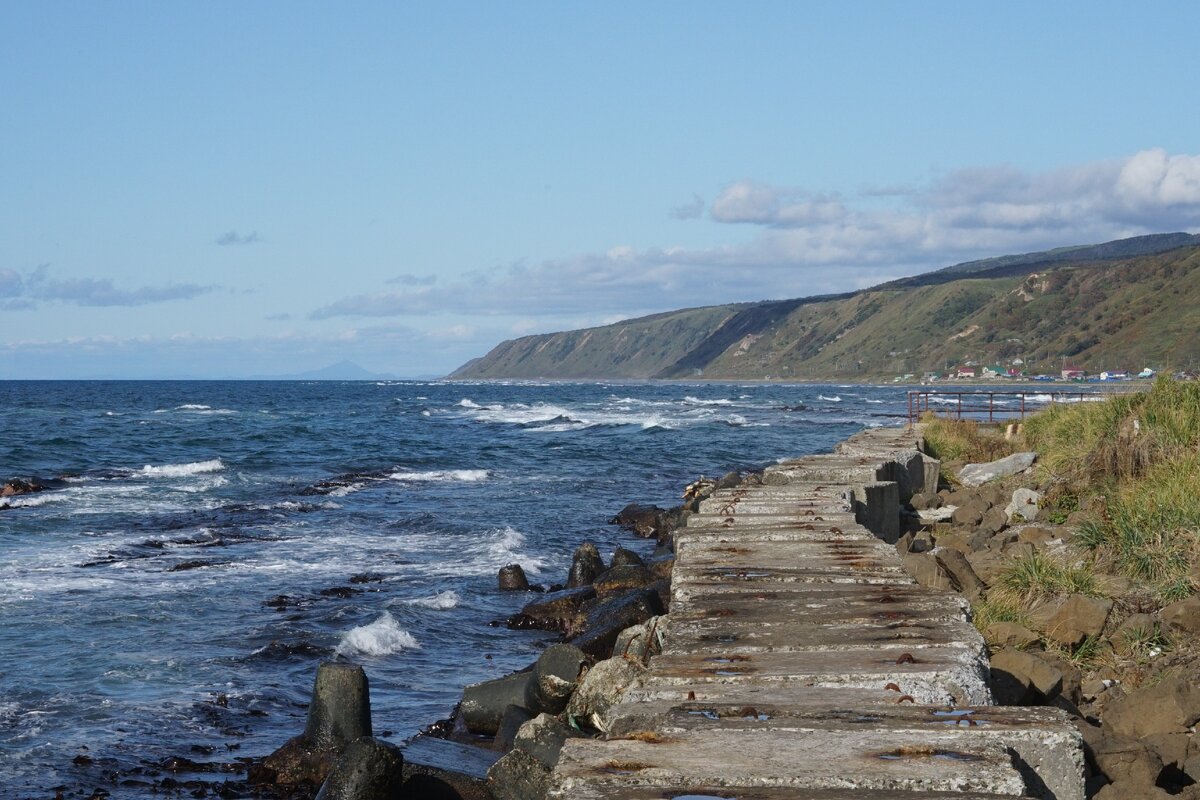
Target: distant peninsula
(1125,304)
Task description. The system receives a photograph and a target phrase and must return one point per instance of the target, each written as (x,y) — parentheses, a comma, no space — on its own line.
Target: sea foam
(439,475)
(382,637)
(182,470)
(441,601)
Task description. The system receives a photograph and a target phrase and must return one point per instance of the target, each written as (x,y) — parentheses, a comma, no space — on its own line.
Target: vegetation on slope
(1116,314)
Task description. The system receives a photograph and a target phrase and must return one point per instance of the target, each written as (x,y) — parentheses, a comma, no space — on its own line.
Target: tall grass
(1039,576)
(962,440)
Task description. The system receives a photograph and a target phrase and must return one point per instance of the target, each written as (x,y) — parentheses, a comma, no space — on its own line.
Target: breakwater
(800,659)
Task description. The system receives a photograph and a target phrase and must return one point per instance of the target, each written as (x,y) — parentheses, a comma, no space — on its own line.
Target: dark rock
(1021,678)
(340,592)
(921,501)
(1182,616)
(554,611)
(18,486)
(1071,620)
(1119,758)
(367,577)
(926,570)
(183,566)
(512,579)
(338,714)
(437,769)
(620,579)
(642,520)
(625,558)
(1010,634)
(368,770)
(483,704)
(586,564)
(510,722)
(1170,706)
(729,481)
(994,520)
(962,575)
(518,776)
(555,676)
(661,565)
(968,515)
(543,738)
(604,623)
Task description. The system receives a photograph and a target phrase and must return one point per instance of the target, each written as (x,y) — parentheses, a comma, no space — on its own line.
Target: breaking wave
(182,470)
(382,637)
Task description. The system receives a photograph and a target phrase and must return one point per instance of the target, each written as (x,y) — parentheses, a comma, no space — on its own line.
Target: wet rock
(622,557)
(369,769)
(621,578)
(340,592)
(1071,620)
(184,566)
(1171,706)
(586,564)
(1021,678)
(367,577)
(518,776)
(643,520)
(606,620)
(1119,758)
(979,474)
(555,611)
(1024,504)
(483,704)
(18,486)
(510,722)
(661,566)
(962,576)
(512,579)
(1182,616)
(601,689)
(554,678)
(338,714)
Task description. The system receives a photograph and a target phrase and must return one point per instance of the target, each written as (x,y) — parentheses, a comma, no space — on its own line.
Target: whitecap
(467,402)
(382,637)
(193,407)
(439,475)
(699,402)
(441,601)
(182,470)
(834,399)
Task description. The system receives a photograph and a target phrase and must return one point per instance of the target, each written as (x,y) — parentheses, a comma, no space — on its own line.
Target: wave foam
(439,475)
(182,470)
(382,637)
(696,401)
(442,601)
(834,399)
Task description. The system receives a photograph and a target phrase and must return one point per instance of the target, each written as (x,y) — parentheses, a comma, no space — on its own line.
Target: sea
(203,546)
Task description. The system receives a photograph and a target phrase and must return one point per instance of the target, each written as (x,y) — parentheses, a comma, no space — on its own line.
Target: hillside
(1101,312)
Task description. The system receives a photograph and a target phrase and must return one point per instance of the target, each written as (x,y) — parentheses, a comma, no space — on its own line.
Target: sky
(226,190)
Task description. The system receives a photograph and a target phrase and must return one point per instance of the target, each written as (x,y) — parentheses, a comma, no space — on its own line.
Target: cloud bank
(805,242)
(24,291)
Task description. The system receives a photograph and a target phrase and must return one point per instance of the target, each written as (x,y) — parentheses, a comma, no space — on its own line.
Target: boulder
(439,769)
(641,641)
(1071,620)
(621,578)
(1170,706)
(661,566)
(622,557)
(962,576)
(1119,758)
(1182,616)
(518,776)
(1024,504)
(968,515)
(994,520)
(512,579)
(17,486)
(988,564)
(1131,790)
(1036,535)
(923,502)
(927,571)
(543,737)
(1020,678)
(1010,634)
(483,704)
(643,520)
(554,677)
(510,722)
(586,564)
(554,611)
(598,632)
(979,474)
(601,689)
(368,770)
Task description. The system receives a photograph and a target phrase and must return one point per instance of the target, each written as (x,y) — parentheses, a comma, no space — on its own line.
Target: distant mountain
(341,371)
(1118,305)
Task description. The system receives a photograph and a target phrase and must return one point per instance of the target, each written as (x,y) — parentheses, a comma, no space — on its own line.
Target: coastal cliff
(1121,305)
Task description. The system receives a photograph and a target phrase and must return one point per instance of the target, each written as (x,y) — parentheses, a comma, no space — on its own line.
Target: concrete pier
(800,660)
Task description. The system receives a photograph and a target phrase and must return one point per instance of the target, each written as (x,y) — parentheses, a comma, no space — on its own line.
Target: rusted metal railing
(989,405)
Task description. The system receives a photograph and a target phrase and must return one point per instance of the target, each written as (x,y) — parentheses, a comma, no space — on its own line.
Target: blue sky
(234,189)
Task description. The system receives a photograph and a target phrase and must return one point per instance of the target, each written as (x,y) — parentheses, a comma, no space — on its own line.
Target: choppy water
(210,542)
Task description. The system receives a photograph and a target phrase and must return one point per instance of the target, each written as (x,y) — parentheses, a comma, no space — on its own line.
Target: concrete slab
(789,636)
(585,791)
(934,760)
(936,675)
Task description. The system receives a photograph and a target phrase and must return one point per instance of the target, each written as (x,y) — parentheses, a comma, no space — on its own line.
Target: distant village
(1015,371)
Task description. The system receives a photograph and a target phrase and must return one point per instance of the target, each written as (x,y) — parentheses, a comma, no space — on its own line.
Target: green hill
(1101,307)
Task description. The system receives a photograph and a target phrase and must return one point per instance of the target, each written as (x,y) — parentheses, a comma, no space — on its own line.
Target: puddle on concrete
(913,753)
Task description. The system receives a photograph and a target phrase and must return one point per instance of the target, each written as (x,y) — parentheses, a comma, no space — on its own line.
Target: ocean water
(205,545)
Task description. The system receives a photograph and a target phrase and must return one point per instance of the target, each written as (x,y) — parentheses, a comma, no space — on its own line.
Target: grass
(962,440)
(987,611)
(1038,576)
